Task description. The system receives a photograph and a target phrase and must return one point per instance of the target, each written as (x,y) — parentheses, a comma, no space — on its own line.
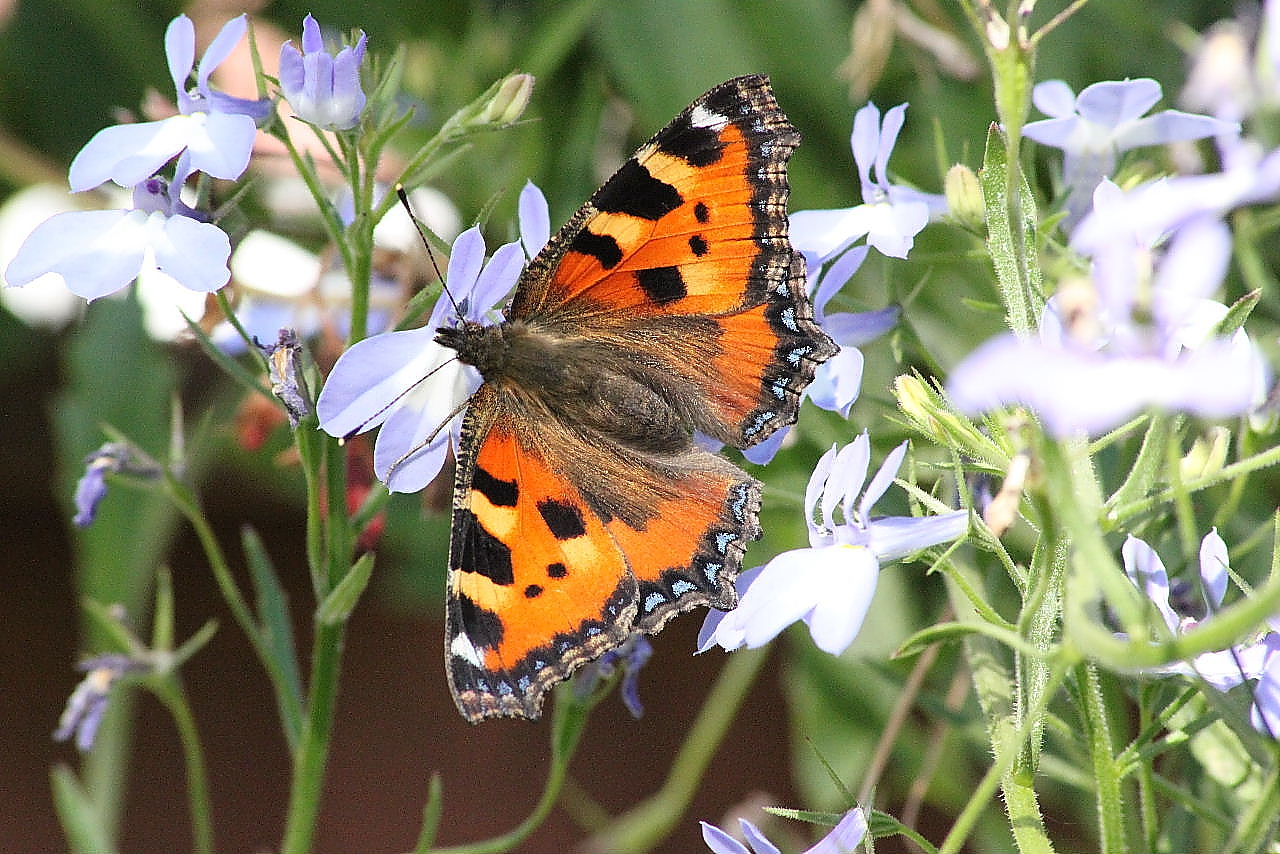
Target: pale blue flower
(410,384)
(323,89)
(1134,337)
(830,584)
(890,215)
(216,130)
(1223,669)
(844,838)
(1106,119)
(535,219)
(99,252)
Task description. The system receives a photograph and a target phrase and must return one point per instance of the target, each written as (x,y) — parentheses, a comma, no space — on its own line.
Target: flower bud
(510,101)
(964,197)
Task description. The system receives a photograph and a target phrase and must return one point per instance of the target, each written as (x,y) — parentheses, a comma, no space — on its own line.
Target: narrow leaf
(341,601)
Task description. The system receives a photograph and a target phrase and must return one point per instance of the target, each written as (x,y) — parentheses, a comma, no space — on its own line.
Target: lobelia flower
(411,385)
(99,252)
(630,657)
(1223,669)
(323,89)
(111,458)
(890,215)
(1135,336)
(830,584)
(1107,118)
(88,702)
(843,839)
(214,129)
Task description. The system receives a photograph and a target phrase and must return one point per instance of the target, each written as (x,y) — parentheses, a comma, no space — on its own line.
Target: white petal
(129,154)
(1214,565)
(837,616)
(194,253)
(372,376)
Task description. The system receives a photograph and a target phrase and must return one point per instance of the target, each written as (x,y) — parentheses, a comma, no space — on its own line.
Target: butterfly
(584,510)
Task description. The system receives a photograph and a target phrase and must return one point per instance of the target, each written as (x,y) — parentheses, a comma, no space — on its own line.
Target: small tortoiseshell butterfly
(583,509)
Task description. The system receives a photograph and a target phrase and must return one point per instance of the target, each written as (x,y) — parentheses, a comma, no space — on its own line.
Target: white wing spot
(701,117)
(462,647)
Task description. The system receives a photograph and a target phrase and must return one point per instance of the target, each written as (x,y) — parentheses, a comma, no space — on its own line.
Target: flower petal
(220,48)
(1111,102)
(128,154)
(895,537)
(845,837)
(1146,570)
(193,253)
(220,143)
(180,50)
(720,842)
(1214,566)
(837,615)
(759,843)
(535,219)
(372,376)
(880,483)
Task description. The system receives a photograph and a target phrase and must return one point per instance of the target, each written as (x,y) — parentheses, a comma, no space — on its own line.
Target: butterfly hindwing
(553,562)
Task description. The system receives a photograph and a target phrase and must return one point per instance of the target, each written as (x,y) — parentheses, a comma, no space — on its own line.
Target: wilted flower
(830,584)
(111,458)
(88,702)
(323,89)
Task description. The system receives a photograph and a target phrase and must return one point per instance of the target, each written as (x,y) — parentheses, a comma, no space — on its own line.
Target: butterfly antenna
(403,458)
(422,233)
(364,425)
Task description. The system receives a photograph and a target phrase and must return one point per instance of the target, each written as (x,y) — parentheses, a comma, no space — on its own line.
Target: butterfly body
(584,510)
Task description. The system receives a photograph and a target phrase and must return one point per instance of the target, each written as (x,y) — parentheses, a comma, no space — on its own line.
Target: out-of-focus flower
(88,702)
(1134,336)
(830,584)
(890,215)
(214,129)
(111,458)
(409,383)
(99,252)
(1223,669)
(46,300)
(323,88)
(631,657)
(843,839)
(1106,119)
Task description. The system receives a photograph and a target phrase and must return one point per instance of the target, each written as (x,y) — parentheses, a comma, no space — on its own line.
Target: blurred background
(609,73)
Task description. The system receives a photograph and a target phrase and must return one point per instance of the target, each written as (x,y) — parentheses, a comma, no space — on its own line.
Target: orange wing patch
(537,585)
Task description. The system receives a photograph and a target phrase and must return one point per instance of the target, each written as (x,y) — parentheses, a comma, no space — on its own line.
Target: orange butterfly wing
(671,302)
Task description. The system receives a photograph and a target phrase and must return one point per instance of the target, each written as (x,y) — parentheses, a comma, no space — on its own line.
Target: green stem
(1226,474)
(567,728)
(312,754)
(169,691)
(648,823)
(1097,730)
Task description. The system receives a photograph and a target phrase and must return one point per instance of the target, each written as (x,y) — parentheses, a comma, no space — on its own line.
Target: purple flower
(1223,669)
(88,702)
(111,458)
(843,838)
(216,130)
(411,385)
(890,215)
(1132,337)
(323,89)
(1105,120)
(99,252)
(630,657)
(830,584)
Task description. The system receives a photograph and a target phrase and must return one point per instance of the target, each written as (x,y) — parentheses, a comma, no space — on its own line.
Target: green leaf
(79,815)
(341,601)
(951,632)
(1011,229)
(276,631)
